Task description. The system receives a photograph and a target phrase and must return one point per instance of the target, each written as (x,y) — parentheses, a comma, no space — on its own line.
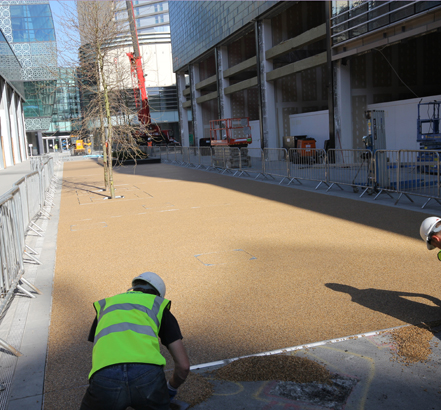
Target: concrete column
(267,101)
(198,126)
(330,69)
(183,117)
(224,101)
(2,143)
(14,129)
(22,129)
(40,143)
(6,126)
(343,106)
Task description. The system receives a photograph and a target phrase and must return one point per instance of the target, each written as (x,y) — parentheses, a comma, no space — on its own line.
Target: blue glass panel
(18,24)
(18,11)
(39,10)
(20,36)
(41,22)
(44,35)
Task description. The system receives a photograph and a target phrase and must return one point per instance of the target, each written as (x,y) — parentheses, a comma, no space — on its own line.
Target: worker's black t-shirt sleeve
(169,331)
(92,330)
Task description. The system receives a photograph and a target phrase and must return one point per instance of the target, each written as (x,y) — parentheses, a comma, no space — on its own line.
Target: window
(159,19)
(32,23)
(159,7)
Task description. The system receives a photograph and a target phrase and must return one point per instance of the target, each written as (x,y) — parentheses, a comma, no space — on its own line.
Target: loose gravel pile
(195,390)
(275,367)
(412,344)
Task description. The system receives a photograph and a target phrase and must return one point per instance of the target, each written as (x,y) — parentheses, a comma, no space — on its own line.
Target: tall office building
(28,27)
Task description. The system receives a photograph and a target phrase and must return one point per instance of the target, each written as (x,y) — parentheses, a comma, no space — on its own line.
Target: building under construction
(306,68)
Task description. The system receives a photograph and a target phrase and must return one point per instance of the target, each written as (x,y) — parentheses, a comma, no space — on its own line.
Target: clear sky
(67,54)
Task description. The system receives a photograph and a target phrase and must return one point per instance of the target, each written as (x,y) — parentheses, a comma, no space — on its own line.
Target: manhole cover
(220,258)
(331,396)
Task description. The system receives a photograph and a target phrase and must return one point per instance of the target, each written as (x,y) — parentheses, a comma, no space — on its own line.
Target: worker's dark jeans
(141,386)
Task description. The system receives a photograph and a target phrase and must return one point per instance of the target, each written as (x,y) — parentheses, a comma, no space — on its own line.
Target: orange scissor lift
(230,133)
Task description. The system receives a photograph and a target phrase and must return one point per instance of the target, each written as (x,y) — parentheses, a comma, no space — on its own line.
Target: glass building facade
(150,16)
(13,144)
(351,19)
(28,26)
(66,111)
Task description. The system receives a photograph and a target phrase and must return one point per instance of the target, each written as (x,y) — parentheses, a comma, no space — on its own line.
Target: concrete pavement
(10,175)
(372,380)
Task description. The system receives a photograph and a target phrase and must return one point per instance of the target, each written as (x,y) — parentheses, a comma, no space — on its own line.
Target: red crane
(149,131)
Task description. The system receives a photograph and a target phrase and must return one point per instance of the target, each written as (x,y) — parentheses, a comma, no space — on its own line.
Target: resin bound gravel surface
(249,267)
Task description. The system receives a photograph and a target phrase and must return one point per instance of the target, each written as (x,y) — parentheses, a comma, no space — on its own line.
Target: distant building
(152,22)
(66,111)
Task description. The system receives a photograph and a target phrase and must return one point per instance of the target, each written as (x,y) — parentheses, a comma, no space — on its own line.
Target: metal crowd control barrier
(307,164)
(227,158)
(204,158)
(254,162)
(409,172)
(404,172)
(275,163)
(386,166)
(353,167)
(19,209)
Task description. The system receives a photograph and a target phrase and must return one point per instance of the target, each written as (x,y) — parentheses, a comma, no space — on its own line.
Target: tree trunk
(105,150)
(109,123)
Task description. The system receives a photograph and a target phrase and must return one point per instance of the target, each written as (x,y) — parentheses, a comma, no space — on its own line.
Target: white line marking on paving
(291,349)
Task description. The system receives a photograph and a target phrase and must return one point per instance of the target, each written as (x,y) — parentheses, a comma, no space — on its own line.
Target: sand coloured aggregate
(249,266)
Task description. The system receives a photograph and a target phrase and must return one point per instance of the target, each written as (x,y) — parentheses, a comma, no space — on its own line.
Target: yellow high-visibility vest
(127,330)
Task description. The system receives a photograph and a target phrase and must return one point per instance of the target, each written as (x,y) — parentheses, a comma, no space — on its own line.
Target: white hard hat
(153,279)
(428,227)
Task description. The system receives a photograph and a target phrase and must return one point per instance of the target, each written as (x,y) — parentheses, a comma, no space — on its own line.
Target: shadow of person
(401,305)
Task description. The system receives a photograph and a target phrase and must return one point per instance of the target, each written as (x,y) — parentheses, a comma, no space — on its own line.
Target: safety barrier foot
(48,203)
(381,191)
(27,283)
(334,183)
(297,180)
(409,198)
(37,231)
(244,173)
(321,182)
(43,212)
(30,253)
(11,349)
(436,199)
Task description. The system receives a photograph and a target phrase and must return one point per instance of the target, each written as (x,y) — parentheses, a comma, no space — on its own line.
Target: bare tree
(104,78)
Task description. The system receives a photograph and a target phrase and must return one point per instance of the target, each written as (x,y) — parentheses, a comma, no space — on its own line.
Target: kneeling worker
(127,366)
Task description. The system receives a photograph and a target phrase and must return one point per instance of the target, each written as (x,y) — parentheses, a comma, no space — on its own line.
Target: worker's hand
(172,392)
